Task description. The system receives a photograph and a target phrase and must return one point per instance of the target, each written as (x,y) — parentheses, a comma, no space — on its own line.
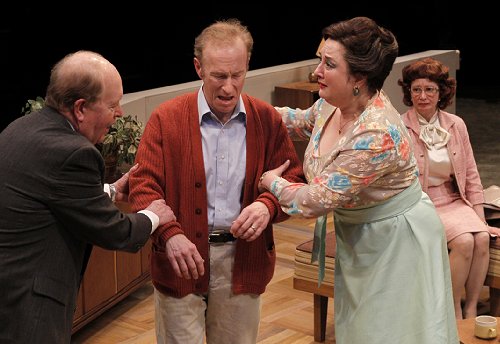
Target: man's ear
(197,67)
(79,109)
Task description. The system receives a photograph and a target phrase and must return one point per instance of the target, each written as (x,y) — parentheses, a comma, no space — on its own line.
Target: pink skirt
(457,217)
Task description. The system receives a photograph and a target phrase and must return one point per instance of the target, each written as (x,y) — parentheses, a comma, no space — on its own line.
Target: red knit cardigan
(171,167)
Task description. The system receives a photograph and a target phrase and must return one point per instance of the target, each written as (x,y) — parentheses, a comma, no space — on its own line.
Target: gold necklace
(341,127)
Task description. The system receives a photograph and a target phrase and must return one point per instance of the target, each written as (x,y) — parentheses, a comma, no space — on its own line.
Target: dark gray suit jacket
(52,209)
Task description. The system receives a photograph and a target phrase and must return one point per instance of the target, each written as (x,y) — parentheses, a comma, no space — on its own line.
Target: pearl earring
(355,91)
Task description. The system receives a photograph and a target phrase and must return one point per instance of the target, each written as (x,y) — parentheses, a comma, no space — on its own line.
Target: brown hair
(433,70)
(223,32)
(370,50)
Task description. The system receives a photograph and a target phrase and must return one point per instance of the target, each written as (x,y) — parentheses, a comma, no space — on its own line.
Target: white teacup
(485,327)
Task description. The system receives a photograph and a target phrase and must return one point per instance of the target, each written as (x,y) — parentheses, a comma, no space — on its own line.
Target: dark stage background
(151,45)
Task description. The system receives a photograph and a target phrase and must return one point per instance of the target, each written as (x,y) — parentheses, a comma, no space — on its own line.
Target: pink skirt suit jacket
(454,200)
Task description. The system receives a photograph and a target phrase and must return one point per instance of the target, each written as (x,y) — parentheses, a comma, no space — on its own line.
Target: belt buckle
(219,237)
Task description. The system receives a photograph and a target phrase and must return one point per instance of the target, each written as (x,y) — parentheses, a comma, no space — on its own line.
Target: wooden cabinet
(300,95)
(110,277)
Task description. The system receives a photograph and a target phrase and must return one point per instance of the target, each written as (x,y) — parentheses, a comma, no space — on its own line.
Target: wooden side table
(466,333)
(300,95)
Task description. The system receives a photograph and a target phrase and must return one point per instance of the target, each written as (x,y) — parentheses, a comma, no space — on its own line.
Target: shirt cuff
(106,189)
(155,220)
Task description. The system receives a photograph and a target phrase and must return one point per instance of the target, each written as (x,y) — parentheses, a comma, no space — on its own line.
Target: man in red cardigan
(204,153)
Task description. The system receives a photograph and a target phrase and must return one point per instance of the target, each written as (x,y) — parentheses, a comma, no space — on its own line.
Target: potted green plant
(33,105)
(119,145)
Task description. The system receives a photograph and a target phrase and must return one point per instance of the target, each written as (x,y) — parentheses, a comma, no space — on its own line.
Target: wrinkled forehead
(423,82)
(333,49)
(234,49)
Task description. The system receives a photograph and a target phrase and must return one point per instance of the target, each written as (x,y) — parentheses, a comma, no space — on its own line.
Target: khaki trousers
(219,316)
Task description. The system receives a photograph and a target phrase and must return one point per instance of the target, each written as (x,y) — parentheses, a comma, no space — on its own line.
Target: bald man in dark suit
(53,204)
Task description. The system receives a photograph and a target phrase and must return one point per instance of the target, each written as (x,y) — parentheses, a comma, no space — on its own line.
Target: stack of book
(306,270)
(491,205)
(492,213)
(492,197)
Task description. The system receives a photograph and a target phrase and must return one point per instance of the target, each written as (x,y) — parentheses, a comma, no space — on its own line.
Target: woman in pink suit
(449,175)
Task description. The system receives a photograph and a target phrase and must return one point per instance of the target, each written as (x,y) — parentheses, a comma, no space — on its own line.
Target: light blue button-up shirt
(224,155)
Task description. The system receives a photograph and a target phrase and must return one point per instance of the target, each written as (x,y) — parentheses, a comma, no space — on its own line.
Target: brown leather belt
(220,237)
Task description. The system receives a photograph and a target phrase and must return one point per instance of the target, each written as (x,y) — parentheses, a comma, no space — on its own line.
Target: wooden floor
(287,314)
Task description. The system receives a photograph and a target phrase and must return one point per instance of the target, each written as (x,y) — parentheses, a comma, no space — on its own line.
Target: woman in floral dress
(392,275)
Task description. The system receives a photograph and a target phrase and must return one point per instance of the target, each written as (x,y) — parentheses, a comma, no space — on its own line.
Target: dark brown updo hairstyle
(433,70)
(370,50)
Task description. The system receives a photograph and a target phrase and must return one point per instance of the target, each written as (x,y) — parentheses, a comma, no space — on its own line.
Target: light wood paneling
(97,289)
(128,267)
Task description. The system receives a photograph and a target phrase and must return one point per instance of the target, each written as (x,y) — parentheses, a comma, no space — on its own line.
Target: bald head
(78,75)
(80,62)
(86,89)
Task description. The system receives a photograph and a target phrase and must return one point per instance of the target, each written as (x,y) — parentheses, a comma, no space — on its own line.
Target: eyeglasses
(429,90)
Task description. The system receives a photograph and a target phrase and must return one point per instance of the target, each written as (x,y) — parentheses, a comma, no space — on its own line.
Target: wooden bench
(306,279)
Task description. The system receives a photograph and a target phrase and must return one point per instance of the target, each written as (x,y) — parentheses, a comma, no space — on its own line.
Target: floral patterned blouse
(370,163)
